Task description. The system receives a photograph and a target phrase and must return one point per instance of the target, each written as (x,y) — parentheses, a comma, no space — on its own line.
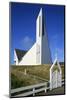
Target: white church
(40,51)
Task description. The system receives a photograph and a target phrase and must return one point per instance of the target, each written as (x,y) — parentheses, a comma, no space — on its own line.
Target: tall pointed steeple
(43,54)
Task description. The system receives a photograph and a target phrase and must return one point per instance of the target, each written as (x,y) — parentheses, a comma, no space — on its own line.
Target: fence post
(45,87)
(25,72)
(33,91)
(45,90)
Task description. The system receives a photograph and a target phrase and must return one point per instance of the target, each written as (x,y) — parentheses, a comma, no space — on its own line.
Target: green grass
(15,82)
(24,80)
(19,79)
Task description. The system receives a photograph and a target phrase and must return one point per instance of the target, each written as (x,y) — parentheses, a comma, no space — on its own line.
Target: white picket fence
(31,90)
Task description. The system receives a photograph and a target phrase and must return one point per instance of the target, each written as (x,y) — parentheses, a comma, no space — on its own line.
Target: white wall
(39,38)
(30,57)
(44,55)
(15,58)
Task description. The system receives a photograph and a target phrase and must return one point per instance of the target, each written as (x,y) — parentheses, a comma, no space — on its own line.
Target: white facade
(40,51)
(15,58)
(43,54)
(30,57)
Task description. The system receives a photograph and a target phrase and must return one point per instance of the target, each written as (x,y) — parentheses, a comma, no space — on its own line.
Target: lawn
(29,75)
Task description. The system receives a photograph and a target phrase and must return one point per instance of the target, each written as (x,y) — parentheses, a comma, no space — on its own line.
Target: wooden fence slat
(31,92)
(28,87)
(34,89)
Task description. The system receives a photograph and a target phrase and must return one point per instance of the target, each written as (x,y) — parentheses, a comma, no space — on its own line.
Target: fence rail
(31,90)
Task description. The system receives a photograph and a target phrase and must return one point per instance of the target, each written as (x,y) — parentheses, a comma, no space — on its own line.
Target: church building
(40,51)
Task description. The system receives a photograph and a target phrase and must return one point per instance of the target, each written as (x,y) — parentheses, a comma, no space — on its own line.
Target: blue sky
(23,27)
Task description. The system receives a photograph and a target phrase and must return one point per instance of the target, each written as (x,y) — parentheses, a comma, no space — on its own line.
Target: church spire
(42,49)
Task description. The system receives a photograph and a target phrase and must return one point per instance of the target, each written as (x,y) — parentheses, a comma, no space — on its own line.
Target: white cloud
(27,42)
